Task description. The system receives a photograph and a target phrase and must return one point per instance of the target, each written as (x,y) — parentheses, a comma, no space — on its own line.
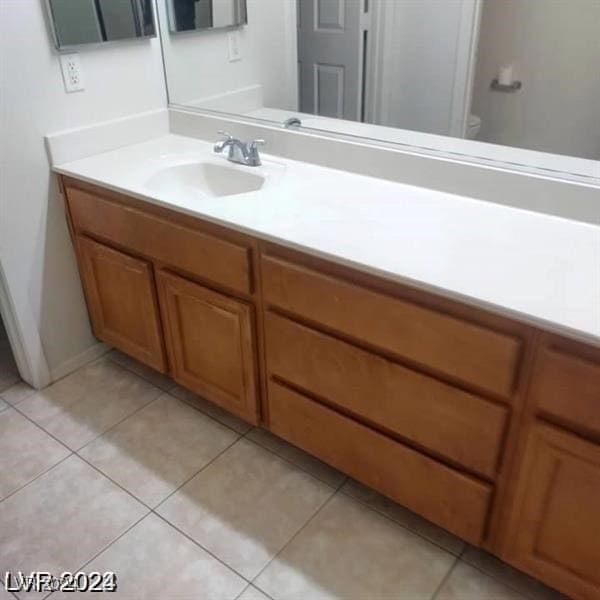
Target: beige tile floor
(114,468)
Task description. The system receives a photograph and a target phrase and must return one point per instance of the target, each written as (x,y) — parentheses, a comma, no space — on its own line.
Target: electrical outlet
(71,72)
(235,49)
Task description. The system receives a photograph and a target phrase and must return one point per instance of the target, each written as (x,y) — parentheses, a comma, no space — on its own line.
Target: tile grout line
(89,464)
(412,531)
(150,508)
(294,536)
(290,462)
(499,579)
(71,453)
(242,592)
(186,535)
(13,404)
(76,450)
(242,435)
(127,530)
(212,460)
(191,404)
(195,542)
(252,586)
(35,391)
(445,578)
(132,370)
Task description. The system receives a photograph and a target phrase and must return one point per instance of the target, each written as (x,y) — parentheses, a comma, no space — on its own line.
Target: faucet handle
(220,145)
(252,155)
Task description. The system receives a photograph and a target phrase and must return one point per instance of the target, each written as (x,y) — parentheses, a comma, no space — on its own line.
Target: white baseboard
(92,353)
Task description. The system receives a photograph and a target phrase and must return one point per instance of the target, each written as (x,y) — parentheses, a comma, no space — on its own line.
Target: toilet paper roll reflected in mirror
(505,75)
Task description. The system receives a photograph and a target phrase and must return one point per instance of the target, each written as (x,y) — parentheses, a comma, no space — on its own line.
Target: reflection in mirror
(186,15)
(427,73)
(78,22)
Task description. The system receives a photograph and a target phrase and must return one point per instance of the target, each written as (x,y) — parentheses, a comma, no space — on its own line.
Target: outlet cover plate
(235,49)
(72,73)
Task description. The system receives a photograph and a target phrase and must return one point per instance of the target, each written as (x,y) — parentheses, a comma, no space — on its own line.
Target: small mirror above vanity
(79,22)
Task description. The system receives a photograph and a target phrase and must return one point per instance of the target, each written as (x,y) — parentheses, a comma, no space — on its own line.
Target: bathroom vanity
(482,419)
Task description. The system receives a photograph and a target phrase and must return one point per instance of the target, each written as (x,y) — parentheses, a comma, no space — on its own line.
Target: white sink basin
(207,179)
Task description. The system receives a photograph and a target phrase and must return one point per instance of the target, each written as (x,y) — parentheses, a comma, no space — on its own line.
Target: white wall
(554,46)
(198,66)
(421,81)
(35,250)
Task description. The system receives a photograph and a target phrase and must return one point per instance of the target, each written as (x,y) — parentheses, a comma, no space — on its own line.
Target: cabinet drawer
(468,352)
(450,499)
(176,245)
(453,423)
(567,386)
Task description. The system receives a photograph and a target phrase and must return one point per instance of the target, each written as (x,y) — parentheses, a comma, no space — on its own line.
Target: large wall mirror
(464,76)
(77,22)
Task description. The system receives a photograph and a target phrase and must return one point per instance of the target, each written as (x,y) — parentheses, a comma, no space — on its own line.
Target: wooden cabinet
(556,530)
(478,422)
(122,301)
(210,339)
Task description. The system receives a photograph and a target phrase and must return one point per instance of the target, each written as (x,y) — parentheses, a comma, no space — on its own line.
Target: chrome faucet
(292,122)
(240,152)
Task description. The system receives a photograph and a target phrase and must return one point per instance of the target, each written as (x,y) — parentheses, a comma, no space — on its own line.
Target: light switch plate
(235,49)
(71,72)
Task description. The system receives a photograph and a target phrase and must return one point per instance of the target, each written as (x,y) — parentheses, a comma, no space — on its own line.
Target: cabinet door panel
(210,342)
(557,529)
(122,301)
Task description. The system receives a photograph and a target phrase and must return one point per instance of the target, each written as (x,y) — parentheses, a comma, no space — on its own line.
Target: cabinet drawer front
(122,301)
(442,495)
(448,421)
(568,387)
(467,352)
(176,245)
(557,531)
(210,343)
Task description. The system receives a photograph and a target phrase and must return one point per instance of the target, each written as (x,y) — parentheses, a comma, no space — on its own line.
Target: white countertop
(541,269)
